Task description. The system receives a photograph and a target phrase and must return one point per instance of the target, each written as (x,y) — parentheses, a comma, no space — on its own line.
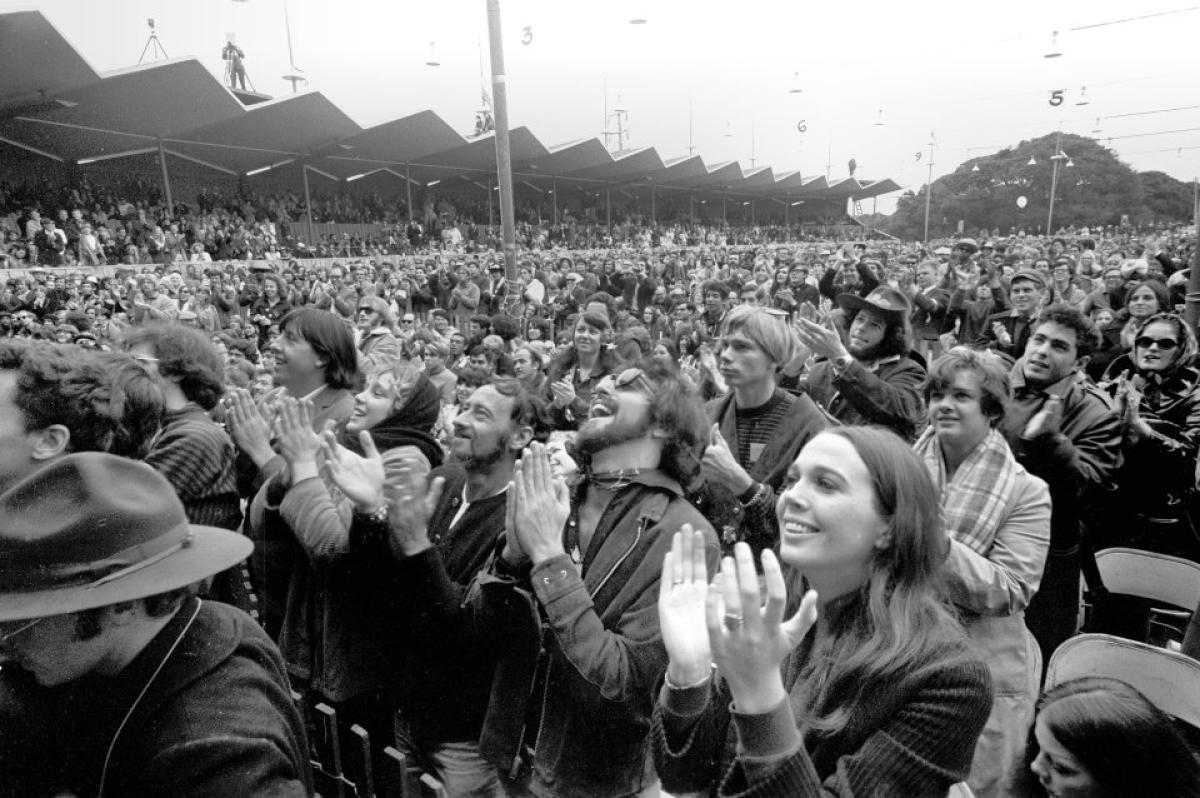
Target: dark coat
(889,396)
(216,720)
(1153,501)
(1078,463)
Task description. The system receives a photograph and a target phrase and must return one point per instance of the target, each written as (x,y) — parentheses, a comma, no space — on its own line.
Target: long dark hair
(1129,746)
(897,626)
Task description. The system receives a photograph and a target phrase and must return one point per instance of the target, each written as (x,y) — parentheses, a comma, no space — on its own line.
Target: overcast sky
(975,78)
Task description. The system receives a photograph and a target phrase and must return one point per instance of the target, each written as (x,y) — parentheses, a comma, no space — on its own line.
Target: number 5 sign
(1056,98)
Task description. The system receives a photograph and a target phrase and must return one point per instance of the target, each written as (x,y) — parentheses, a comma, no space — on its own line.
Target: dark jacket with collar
(442,677)
(755,521)
(1078,463)
(930,314)
(217,719)
(889,396)
(578,648)
(1018,327)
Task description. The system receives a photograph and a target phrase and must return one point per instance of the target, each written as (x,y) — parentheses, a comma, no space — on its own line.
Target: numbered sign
(527,35)
(802,126)
(1056,98)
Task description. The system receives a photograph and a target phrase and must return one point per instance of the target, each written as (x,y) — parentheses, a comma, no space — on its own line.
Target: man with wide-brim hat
(120,681)
(869,377)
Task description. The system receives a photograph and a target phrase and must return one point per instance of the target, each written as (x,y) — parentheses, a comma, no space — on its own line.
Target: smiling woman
(822,711)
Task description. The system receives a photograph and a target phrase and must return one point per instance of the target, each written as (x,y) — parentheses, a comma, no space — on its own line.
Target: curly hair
(988,369)
(184,353)
(64,385)
(1087,337)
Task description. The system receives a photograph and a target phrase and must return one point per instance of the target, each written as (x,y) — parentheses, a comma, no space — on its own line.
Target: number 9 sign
(1056,98)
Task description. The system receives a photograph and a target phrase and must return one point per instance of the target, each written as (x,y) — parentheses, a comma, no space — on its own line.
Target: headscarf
(408,425)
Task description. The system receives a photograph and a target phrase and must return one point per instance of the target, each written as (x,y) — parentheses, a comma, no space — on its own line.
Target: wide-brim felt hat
(89,530)
(884,299)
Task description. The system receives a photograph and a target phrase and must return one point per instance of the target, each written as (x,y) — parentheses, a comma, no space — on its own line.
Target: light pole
(929,186)
(503,153)
(1057,157)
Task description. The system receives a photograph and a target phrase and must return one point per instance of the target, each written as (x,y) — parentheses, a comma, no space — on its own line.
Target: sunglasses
(1164,344)
(368,311)
(628,377)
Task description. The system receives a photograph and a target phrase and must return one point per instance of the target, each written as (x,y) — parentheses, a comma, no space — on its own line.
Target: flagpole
(503,153)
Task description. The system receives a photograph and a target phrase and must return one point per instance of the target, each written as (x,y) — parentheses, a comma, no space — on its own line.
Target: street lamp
(1058,157)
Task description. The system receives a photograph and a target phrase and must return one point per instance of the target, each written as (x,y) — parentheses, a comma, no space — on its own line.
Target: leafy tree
(1097,189)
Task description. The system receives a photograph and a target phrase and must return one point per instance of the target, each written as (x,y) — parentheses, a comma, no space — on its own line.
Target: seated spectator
(1157,394)
(1100,738)
(884,697)
(998,518)
(1142,301)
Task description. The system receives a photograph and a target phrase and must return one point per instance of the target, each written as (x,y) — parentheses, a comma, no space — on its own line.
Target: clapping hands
(743,633)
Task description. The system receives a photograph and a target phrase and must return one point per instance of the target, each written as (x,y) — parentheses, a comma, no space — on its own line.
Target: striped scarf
(975,498)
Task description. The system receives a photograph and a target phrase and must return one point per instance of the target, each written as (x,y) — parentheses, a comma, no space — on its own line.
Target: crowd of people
(663,514)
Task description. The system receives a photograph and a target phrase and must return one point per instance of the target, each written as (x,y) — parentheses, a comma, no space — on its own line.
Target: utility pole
(691,142)
(503,153)
(929,185)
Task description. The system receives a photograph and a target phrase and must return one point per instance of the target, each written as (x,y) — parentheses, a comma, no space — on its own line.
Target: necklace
(614,480)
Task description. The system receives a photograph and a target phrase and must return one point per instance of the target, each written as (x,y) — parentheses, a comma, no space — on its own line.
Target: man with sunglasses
(568,608)
(1062,428)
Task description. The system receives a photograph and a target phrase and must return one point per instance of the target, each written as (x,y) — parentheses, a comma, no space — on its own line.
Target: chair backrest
(1157,577)
(1169,680)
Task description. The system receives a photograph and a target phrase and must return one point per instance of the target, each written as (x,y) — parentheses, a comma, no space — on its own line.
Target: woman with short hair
(997,517)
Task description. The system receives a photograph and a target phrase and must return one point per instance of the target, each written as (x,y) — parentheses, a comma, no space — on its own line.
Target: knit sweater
(197,458)
(914,737)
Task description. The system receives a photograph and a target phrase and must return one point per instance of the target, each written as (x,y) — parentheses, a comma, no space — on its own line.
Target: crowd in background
(903,458)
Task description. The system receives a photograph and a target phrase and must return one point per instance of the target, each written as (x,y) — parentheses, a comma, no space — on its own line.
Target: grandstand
(175,123)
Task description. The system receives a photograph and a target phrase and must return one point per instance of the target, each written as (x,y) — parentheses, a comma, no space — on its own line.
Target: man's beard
(596,438)
(477,460)
(866,354)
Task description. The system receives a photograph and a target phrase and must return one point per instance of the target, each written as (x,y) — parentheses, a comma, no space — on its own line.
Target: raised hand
(297,441)
(720,465)
(564,393)
(749,637)
(822,340)
(542,505)
(682,592)
(1046,421)
(359,478)
(410,504)
(248,428)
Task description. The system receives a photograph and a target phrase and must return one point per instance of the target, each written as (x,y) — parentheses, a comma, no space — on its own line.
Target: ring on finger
(733,620)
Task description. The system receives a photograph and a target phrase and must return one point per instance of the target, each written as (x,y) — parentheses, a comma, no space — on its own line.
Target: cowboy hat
(884,299)
(91,529)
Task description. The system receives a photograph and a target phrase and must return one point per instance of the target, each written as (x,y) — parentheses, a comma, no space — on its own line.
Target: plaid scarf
(974,499)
